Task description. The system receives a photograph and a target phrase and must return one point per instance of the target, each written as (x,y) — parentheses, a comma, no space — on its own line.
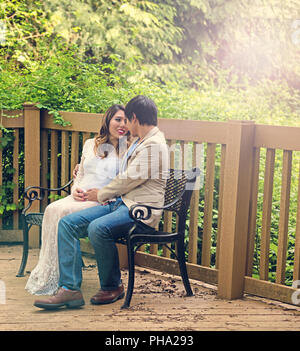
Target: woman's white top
(94,171)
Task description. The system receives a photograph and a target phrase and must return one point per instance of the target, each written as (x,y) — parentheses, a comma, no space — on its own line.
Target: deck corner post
(32,158)
(235,214)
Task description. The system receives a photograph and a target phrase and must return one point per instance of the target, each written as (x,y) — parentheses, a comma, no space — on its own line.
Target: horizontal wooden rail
(80,121)
(269,290)
(198,131)
(277,137)
(195,271)
(15,119)
(205,131)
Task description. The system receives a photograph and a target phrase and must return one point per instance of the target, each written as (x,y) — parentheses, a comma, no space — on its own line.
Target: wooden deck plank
(203,311)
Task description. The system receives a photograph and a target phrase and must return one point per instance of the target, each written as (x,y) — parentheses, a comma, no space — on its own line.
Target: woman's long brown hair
(103,135)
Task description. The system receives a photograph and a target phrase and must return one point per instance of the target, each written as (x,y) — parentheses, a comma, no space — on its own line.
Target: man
(141,180)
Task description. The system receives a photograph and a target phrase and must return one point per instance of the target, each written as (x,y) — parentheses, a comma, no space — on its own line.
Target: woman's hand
(78,195)
(75,171)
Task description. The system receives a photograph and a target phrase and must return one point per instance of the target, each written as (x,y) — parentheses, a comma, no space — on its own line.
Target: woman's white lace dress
(94,172)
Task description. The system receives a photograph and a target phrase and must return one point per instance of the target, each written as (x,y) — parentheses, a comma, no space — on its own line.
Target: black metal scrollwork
(32,193)
(140,212)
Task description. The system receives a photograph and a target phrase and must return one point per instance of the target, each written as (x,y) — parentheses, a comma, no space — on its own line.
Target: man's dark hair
(144,109)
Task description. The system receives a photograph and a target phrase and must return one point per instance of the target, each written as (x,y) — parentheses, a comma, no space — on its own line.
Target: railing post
(32,159)
(235,214)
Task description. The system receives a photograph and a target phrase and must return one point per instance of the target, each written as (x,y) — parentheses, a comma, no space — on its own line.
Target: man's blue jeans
(103,224)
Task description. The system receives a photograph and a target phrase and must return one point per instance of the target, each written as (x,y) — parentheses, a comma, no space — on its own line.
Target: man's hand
(91,194)
(78,194)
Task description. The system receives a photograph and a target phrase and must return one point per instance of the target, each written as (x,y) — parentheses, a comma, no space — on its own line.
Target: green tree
(256,39)
(131,30)
(28,33)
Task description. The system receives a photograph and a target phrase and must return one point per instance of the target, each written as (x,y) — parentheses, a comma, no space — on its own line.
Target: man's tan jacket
(144,180)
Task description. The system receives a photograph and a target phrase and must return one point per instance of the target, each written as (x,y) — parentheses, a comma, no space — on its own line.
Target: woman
(98,166)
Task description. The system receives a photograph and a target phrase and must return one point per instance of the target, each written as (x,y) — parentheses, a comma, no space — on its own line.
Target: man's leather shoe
(63,297)
(108,296)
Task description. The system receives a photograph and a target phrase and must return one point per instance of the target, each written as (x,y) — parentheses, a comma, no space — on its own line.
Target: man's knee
(97,232)
(63,222)
(62,229)
(67,226)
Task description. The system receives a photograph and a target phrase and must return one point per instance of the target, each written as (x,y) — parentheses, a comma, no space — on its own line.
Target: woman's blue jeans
(103,224)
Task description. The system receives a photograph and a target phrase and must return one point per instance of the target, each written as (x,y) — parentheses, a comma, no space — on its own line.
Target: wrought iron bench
(33,193)
(179,188)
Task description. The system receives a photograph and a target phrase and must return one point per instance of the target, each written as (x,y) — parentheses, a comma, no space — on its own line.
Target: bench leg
(130,285)
(25,251)
(182,266)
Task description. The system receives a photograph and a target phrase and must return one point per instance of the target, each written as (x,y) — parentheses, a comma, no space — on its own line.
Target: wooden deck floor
(157,304)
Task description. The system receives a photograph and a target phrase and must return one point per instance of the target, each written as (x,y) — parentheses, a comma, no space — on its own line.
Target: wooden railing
(230,218)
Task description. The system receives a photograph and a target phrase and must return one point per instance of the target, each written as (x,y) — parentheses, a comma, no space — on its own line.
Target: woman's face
(118,125)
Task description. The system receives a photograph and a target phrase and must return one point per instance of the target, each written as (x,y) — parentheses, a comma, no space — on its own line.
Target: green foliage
(29,33)
(61,83)
(6,189)
(170,39)
(255,39)
(130,29)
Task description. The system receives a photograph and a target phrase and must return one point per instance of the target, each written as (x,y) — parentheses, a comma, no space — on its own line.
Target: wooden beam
(277,137)
(235,213)
(197,272)
(284,217)
(269,290)
(32,159)
(266,215)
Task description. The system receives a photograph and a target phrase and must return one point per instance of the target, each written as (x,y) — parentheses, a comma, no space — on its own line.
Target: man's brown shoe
(104,297)
(63,297)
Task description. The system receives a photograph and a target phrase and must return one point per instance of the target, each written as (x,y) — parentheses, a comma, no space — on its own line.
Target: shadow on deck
(158,304)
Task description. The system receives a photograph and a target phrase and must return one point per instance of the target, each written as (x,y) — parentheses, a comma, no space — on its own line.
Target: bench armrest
(142,212)
(32,193)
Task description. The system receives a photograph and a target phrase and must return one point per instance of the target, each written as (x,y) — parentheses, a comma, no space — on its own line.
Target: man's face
(132,126)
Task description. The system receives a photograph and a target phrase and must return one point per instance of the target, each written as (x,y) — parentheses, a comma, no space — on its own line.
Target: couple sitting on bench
(111,178)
